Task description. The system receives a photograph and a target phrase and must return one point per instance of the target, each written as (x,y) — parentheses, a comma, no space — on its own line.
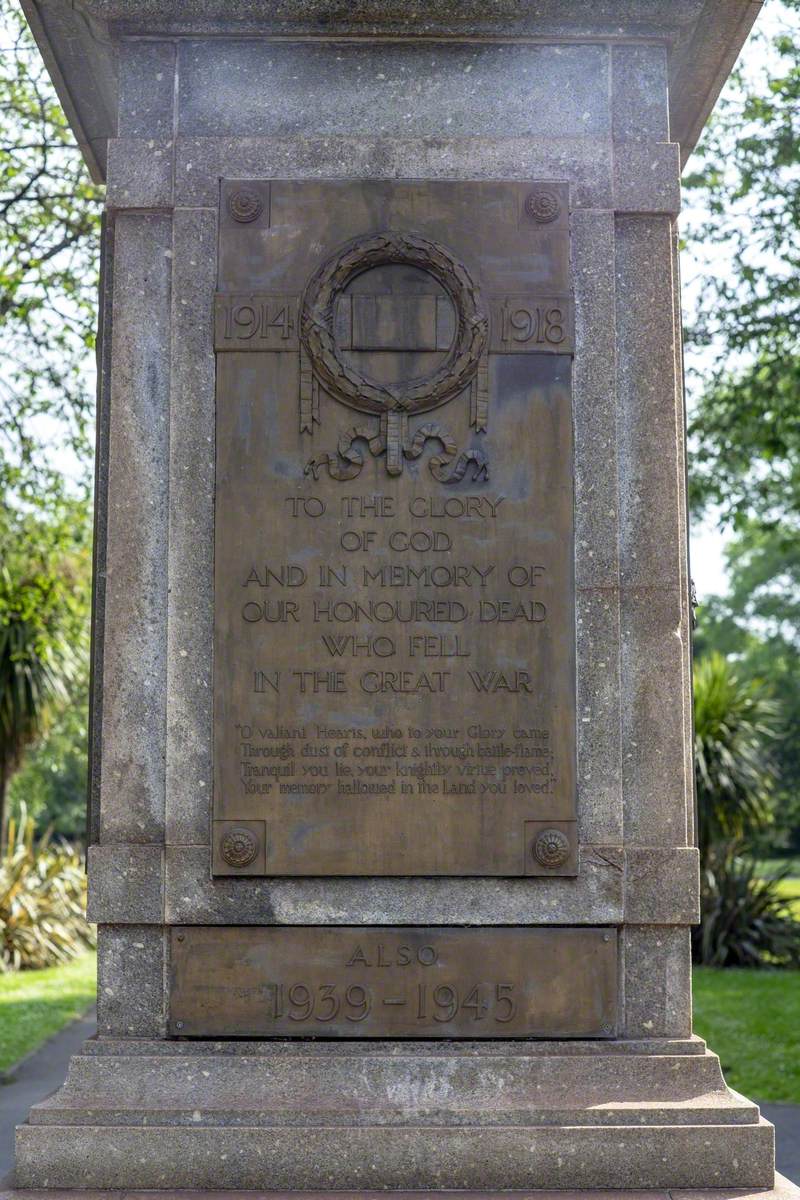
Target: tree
(745,424)
(43,623)
(745,921)
(735,724)
(50,785)
(49,225)
(757,626)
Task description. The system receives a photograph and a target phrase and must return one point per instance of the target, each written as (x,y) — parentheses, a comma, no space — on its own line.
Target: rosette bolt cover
(239,846)
(551,848)
(245,205)
(542,205)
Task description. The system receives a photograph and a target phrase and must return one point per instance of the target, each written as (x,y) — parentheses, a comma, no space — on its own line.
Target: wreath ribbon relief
(465,365)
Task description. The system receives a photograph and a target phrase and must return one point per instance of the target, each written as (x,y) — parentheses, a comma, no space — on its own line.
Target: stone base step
(781,1189)
(347,1086)
(395,1158)
(350,1115)
(702,1110)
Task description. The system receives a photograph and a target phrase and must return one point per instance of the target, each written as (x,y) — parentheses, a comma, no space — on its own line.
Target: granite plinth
(782,1189)
(402,1115)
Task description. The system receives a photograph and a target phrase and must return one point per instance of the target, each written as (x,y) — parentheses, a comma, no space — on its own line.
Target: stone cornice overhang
(77,39)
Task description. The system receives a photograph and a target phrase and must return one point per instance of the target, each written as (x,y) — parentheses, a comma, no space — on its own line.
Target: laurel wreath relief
(464,365)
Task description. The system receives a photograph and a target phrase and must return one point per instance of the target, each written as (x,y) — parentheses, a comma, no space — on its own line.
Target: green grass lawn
(752,1020)
(36,1004)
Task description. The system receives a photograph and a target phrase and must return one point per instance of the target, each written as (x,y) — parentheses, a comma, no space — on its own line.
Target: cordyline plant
(735,726)
(43,625)
(42,901)
(745,922)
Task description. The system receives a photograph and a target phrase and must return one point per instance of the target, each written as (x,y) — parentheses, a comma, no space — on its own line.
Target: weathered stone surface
(140,173)
(192,897)
(677,24)
(100,540)
(132,791)
(646,178)
(652,531)
(639,93)
(126,884)
(393,90)
(146,89)
(594,391)
(584,161)
(408,1157)
(659,887)
(655,616)
(596,530)
(130,981)
(783,1190)
(662,886)
(406,1083)
(657,967)
(703,37)
(530,1047)
(600,812)
(191,528)
(656,713)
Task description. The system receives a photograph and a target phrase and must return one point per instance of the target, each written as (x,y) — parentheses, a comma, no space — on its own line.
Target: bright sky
(706,549)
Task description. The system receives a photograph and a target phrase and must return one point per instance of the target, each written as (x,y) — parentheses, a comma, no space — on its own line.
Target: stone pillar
(193,112)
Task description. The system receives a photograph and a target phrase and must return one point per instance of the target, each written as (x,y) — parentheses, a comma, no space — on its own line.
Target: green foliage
(752,1020)
(44,598)
(734,725)
(745,428)
(757,624)
(745,919)
(49,226)
(42,901)
(52,780)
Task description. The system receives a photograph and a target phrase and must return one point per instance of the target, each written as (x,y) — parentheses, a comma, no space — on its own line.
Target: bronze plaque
(394,601)
(247,981)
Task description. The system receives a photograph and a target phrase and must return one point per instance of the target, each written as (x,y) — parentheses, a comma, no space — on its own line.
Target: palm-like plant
(745,921)
(35,670)
(42,900)
(735,725)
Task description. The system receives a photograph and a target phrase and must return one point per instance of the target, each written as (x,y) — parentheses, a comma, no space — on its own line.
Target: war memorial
(392,816)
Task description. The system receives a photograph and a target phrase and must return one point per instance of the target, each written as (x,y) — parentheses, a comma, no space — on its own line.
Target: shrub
(745,921)
(42,901)
(735,723)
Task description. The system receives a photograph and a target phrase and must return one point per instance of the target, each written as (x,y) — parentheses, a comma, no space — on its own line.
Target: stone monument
(392,820)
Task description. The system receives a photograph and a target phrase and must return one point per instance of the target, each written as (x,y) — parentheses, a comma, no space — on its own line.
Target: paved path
(786,1119)
(34,1078)
(44,1071)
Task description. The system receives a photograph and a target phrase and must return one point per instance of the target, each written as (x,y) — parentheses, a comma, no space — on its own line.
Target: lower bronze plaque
(436,982)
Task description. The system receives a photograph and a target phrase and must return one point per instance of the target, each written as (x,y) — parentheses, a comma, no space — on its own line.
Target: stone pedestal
(595,104)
